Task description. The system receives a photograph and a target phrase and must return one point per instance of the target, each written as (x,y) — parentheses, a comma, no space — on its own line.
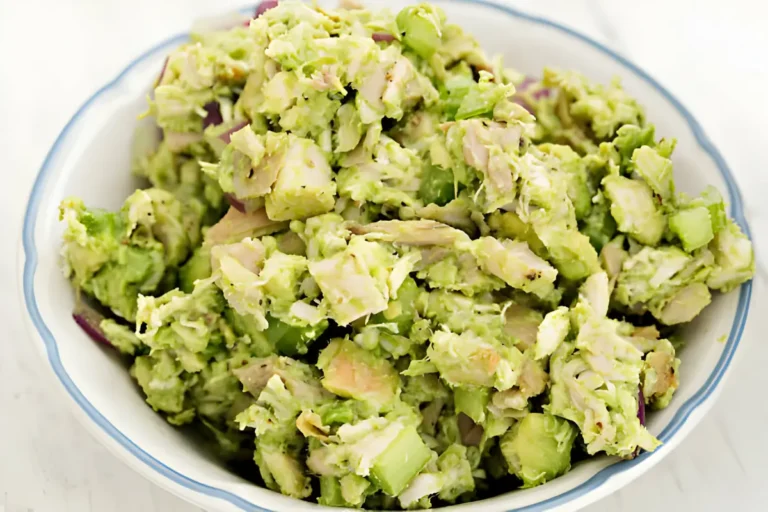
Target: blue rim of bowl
(685,410)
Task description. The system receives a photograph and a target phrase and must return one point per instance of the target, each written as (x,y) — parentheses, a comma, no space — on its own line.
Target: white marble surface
(53,55)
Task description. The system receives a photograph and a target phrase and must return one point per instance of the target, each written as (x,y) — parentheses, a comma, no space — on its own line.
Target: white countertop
(53,55)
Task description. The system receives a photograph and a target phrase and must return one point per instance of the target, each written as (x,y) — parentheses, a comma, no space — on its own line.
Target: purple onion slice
(162,72)
(471,433)
(227,135)
(89,321)
(640,412)
(382,37)
(526,83)
(235,203)
(212,114)
(264,7)
(537,93)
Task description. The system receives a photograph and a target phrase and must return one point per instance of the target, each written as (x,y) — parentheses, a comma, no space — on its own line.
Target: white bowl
(90,159)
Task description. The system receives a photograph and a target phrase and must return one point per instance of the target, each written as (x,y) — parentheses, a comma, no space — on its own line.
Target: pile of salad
(377,268)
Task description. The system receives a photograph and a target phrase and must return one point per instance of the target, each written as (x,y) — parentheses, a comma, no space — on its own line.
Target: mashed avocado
(399,270)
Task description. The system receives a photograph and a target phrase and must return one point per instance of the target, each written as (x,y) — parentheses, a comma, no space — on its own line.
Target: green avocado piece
(196,267)
(693,227)
(281,470)
(290,340)
(599,225)
(437,186)
(245,325)
(538,448)
(353,372)
(121,336)
(400,311)
(119,282)
(655,169)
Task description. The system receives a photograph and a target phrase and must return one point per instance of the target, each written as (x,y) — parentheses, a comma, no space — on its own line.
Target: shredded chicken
(236,225)
(411,232)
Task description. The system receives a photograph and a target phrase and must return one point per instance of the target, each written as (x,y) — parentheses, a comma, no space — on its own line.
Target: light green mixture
(447,280)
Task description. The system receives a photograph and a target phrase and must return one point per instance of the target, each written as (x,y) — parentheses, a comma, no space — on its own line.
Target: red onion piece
(264,7)
(227,135)
(526,83)
(235,203)
(537,94)
(176,141)
(640,411)
(383,37)
(470,432)
(162,72)
(213,114)
(89,321)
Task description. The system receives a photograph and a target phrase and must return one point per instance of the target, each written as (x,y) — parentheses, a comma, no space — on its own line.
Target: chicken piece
(300,379)
(304,186)
(347,280)
(236,225)
(515,264)
(411,232)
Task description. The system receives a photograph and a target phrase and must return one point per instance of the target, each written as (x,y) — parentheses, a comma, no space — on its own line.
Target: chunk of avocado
(437,186)
(538,448)
(282,471)
(599,225)
(353,372)
(655,169)
(685,305)
(290,340)
(244,325)
(693,226)
(133,270)
(401,310)
(196,267)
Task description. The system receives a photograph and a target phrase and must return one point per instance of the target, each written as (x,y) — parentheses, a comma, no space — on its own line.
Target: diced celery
(403,459)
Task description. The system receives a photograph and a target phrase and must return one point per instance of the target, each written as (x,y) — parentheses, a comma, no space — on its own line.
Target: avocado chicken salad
(377,269)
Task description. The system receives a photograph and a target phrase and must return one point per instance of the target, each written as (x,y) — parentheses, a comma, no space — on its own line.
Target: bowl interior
(92,161)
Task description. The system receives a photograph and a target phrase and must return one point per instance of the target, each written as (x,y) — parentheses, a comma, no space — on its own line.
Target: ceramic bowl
(90,159)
